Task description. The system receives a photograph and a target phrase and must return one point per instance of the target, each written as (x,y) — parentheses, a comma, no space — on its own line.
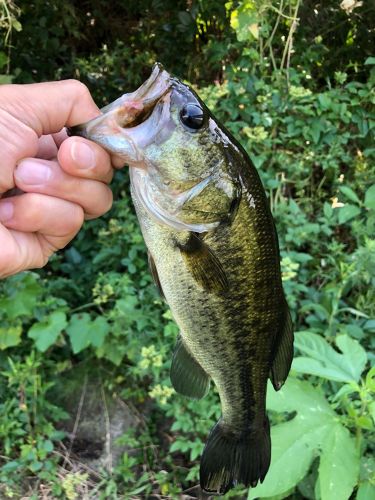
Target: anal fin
(187,375)
(284,354)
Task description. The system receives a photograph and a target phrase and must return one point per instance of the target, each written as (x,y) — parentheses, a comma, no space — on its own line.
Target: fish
(214,255)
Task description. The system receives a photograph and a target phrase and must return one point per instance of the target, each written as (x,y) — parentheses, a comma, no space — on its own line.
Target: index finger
(29,111)
(48,107)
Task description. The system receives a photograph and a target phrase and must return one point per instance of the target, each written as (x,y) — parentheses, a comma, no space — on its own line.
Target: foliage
(294,82)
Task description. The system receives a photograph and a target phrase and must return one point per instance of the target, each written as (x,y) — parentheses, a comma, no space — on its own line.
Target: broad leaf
(348,212)
(370,197)
(355,355)
(46,332)
(366,490)
(349,193)
(24,294)
(297,442)
(10,337)
(324,361)
(84,332)
(100,329)
(339,464)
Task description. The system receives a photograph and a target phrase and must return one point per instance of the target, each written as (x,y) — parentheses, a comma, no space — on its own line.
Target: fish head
(184,166)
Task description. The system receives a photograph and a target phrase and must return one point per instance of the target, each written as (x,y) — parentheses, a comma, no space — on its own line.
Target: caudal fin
(229,459)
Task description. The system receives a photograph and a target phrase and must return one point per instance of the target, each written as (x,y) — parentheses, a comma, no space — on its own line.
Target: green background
(294,82)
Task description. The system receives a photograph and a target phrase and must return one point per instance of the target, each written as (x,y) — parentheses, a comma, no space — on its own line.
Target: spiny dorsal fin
(187,375)
(284,354)
(203,264)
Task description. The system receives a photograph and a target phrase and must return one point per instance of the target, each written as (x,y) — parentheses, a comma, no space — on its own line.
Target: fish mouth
(125,114)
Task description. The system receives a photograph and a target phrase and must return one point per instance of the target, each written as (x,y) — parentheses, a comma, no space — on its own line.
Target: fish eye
(192,116)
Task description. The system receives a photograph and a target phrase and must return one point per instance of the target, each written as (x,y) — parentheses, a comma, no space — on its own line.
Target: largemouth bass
(214,255)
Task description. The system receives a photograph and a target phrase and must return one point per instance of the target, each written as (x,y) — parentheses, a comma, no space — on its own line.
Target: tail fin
(229,458)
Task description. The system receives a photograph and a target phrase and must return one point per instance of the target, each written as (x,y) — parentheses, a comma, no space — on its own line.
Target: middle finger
(47,177)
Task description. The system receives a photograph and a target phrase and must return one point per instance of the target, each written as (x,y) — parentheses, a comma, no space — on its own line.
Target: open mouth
(130,109)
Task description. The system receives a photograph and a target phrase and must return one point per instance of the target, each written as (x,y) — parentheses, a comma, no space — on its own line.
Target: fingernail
(83,155)
(6,211)
(32,172)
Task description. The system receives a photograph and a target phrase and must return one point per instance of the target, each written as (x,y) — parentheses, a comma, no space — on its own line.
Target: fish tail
(230,458)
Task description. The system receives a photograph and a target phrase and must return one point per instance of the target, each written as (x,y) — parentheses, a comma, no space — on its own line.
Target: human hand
(63,180)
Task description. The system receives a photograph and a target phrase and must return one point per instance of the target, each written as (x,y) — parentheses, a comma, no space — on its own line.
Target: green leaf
(349,193)
(16,25)
(328,210)
(46,332)
(84,332)
(339,465)
(315,130)
(11,466)
(370,61)
(3,59)
(324,101)
(311,366)
(348,212)
(355,355)
(244,21)
(10,337)
(5,79)
(185,18)
(325,362)
(292,455)
(366,490)
(294,443)
(23,297)
(100,328)
(297,442)
(370,198)
(79,331)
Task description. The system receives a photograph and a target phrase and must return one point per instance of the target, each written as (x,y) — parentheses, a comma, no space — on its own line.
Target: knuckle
(78,88)
(35,205)
(76,219)
(68,227)
(105,204)
(6,260)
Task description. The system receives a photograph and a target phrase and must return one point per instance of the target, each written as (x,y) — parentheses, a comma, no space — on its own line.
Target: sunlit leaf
(10,337)
(339,464)
(324,361)
(297,442)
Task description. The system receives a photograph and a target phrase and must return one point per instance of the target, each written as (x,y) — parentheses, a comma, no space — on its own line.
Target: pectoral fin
(154,274)
(187,375)
(203,264)
(284,354)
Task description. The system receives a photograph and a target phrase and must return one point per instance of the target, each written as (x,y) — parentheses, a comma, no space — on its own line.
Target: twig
(108,429)
(77,420)
(289,42)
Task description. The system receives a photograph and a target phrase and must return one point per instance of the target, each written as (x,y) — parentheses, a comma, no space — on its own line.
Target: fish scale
(214,255)
(206,321)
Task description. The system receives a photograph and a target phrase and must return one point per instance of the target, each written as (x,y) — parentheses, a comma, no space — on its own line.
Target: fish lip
(128,108)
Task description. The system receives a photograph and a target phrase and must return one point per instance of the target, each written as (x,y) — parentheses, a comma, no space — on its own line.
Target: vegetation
(294,81)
